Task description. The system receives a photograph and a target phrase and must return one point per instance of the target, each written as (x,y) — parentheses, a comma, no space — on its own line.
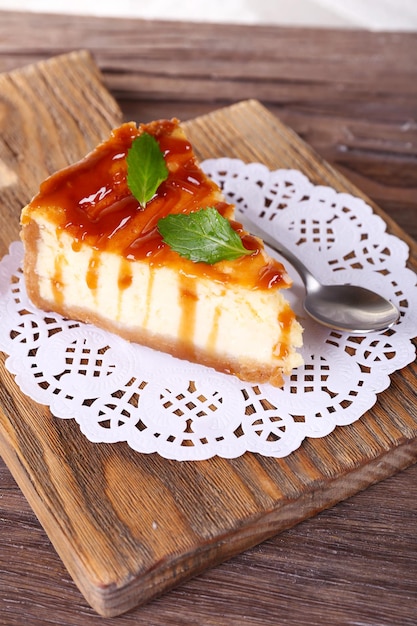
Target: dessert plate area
(123,392)
(128,523)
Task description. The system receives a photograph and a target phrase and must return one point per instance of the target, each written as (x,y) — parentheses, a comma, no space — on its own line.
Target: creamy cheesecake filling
(158,302)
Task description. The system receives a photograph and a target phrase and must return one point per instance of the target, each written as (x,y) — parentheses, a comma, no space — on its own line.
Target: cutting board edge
(112,600)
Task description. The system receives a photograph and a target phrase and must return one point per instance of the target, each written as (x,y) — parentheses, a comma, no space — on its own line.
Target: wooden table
(353,96)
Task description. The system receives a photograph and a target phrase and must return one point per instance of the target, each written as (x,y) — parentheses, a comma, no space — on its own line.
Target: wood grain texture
(51,114)
(350,94)
(354,563)
(127,526)
(357,562)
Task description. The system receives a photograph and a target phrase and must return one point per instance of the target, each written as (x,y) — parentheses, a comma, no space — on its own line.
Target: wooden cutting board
(129,526)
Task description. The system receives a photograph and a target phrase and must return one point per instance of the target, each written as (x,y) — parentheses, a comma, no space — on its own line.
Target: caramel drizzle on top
(91,201)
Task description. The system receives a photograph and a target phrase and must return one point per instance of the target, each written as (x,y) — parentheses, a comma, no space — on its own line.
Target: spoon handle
(307,277)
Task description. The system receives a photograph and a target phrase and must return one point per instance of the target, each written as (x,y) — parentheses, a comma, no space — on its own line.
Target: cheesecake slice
(95,253)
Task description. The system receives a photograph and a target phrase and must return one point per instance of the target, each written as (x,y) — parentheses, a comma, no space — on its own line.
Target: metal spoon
(343,307)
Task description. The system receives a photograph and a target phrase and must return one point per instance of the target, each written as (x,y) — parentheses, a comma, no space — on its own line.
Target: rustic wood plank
(51,114)
(349,94)
(191,515)
(353,563)
(287,151)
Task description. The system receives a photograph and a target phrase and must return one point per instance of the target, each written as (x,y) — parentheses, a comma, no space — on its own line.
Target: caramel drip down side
(188,303)
(124,281)
(214,331)
(57,280)
(149,296)
(286,318)
(93,271)
(125,275)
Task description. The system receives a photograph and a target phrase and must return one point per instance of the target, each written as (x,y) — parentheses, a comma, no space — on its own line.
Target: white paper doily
(118,391)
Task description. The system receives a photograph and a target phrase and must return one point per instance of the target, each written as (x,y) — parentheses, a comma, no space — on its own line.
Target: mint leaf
(203,235)
(146,168)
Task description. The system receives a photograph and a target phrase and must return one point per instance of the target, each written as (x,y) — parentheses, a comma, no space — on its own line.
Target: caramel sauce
(214,330)
(125,277)
(285,320)
(56,282)
(149,296)
(189,301)
(91,201)
(93,271)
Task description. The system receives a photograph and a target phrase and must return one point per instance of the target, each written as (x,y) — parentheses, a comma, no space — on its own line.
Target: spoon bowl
(348,308)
